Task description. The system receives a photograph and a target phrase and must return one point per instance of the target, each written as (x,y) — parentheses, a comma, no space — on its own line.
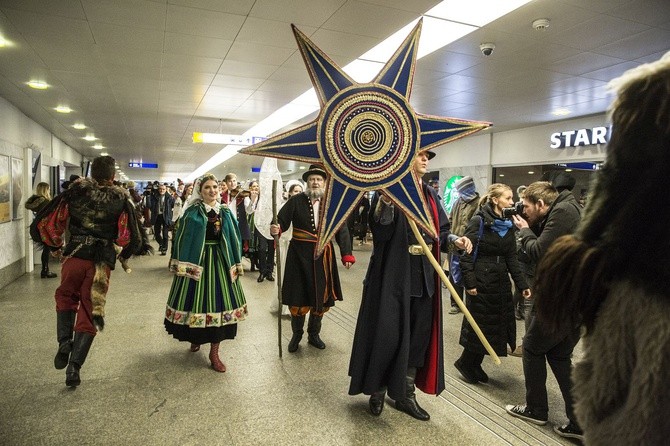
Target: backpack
(455,261)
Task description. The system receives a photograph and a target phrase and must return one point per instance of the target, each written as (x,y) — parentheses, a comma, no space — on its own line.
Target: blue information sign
(144,165)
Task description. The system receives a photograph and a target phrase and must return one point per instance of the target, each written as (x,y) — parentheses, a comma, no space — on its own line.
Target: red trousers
(74,292)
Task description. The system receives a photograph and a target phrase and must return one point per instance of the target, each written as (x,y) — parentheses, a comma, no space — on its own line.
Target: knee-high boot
(80,347)
(409,405)
(313,330)
(64,327)
(297,324)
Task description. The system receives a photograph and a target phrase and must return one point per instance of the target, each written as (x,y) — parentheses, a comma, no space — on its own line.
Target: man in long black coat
(310,285)
(398,339)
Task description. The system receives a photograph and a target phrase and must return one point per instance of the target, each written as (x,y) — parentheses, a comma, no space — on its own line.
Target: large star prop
(366,136)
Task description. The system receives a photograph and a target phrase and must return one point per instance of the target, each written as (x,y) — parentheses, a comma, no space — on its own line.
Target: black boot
(466,364)
(81,346)
(377,402)
(46,274)
(297,323)
(64,327)
(409,405)
(313,330)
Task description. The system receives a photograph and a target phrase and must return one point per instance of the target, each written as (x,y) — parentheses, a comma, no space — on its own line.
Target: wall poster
(17,189)
(5,189)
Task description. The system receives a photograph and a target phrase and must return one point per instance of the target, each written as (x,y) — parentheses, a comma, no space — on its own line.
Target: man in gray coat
(554,214)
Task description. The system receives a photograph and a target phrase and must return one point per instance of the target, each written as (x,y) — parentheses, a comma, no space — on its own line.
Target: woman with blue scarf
(206,300)
(486,280)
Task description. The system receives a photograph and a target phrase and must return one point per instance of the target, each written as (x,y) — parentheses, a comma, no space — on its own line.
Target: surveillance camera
(487,48)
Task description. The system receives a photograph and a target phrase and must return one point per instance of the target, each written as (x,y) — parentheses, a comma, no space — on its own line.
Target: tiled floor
(140,386)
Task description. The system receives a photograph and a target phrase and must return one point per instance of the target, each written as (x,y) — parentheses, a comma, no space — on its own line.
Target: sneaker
(570,430)
(454,309)
(522,411)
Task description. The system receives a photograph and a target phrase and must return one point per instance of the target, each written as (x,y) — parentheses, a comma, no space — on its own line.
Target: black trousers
(540,347)
(45,259)
(420,325)
(266,254)
(161,232)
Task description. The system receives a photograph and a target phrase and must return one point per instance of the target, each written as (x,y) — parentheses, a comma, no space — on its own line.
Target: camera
(517,209)
(487,48)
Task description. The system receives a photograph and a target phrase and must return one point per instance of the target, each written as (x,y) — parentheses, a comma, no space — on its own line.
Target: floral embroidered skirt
(207,310)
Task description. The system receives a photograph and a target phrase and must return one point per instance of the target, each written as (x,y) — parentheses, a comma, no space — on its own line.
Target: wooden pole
(278,261)
(457,298)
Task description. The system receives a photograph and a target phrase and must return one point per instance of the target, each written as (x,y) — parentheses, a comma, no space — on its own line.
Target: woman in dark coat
(486,280)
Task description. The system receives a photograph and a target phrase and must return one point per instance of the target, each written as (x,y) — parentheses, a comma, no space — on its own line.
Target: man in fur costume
(310,285)
(97,215)
(619,280)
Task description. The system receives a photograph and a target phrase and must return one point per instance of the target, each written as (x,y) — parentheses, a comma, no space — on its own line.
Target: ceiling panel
(300,12)
(201,22)
(196,45)
(134,13)
(368,20)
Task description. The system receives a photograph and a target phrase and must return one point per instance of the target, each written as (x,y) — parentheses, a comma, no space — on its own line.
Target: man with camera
(552,215)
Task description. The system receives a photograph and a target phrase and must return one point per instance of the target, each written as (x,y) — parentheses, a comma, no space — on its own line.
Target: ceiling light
(90,138)
(104,154)
(4,42)
(98,147)
(561,112)
(302,168)
(530,172)
(38,85)
(541,24)
(474,12)
(79,126)
(63,109)
(501,175)
(568,170)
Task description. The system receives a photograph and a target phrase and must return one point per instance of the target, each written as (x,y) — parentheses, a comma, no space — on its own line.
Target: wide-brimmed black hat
(314,170)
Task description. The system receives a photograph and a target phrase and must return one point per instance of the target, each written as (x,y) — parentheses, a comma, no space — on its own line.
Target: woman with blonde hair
(486,281)
(36,203)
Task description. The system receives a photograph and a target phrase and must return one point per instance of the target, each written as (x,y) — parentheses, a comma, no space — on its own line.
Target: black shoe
(48,275)
(481,375)
(570,430)
(315,340)
(468,373)
(523,412)
(377,403)
(270,277)
(72,378)
(412,408)
(260,278)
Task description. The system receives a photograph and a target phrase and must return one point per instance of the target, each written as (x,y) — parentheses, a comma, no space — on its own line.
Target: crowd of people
(602,273)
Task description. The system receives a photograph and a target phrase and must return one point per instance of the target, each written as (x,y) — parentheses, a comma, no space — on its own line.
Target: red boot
(214,358)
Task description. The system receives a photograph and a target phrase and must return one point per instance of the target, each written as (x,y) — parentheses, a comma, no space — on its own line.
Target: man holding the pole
(398,339)
(310,285)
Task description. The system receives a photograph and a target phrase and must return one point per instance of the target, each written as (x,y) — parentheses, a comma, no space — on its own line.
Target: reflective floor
(140,386)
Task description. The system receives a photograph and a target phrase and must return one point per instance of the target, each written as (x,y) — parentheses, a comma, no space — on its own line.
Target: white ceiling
(143,75)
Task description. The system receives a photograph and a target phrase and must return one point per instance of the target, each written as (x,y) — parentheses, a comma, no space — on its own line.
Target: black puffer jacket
(492,307)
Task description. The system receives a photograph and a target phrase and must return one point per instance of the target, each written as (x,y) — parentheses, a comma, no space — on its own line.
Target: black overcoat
(309,282)
(492,307)
(380,350)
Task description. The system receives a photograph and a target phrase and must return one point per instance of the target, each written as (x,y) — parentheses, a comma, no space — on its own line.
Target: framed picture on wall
(18,193)
(5,190)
